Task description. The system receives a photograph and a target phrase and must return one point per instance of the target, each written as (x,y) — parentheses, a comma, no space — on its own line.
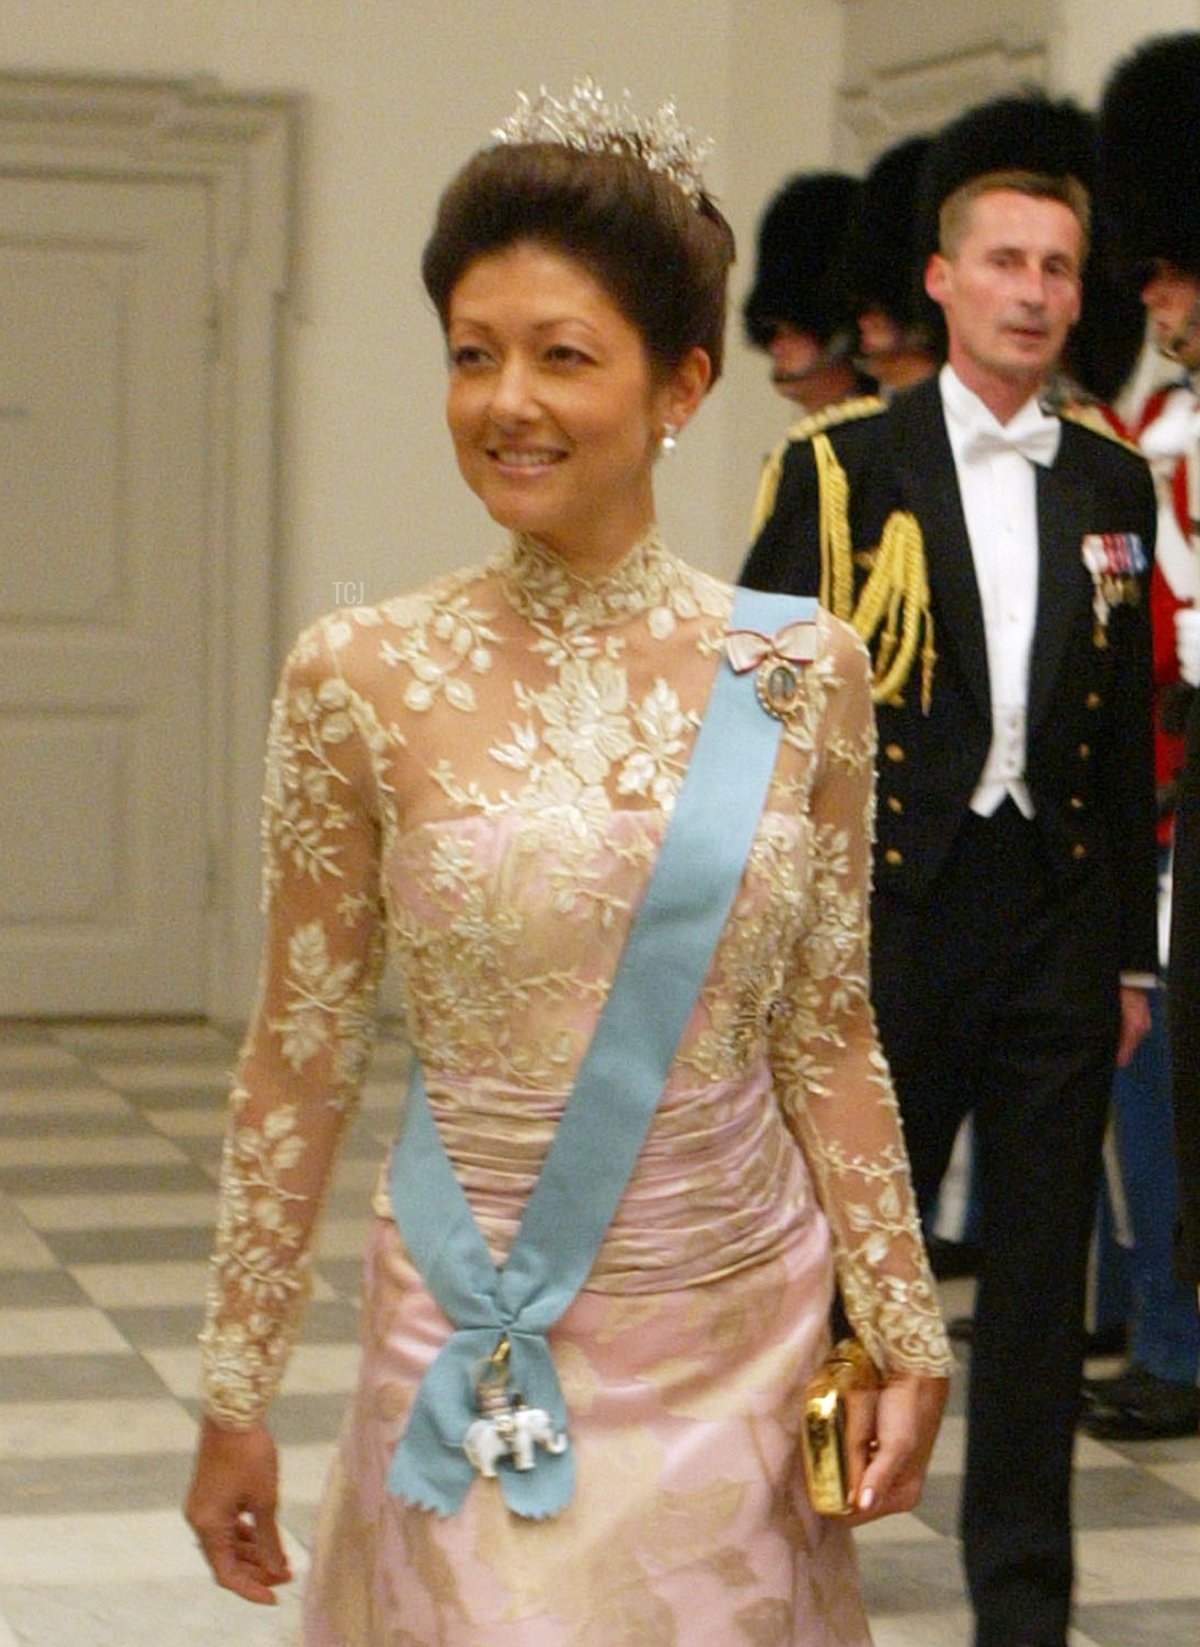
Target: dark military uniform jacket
(1183,996)
(1089,750)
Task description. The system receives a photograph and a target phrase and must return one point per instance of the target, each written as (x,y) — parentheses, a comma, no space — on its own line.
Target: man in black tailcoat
(997,556)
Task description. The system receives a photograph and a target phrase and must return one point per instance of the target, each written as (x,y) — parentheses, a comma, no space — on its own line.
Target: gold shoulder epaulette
(838,411)
(813,423)
(1089,416)
(891,612)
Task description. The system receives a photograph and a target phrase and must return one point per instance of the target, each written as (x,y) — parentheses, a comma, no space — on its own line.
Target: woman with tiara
(614,835)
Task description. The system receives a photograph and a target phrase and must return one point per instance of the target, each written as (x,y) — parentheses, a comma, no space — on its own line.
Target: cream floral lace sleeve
(831,1076)
(299,1073)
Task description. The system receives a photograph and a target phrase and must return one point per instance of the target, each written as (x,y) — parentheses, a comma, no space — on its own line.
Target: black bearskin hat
(1031,133)
(1024,132)
(1149,190)
(798,239)
(1106,340)
(877,266)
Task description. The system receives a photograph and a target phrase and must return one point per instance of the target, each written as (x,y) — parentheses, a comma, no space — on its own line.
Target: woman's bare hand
(231,1508)
(890,1434)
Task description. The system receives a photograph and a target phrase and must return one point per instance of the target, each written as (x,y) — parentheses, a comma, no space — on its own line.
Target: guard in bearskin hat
(1150,195)
(992,550)
(876,270)
(794,311)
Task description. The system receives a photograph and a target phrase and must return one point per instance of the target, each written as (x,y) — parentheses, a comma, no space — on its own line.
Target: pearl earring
(668,437)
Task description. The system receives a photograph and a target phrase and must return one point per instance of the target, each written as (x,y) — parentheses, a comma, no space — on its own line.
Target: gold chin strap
(894,603)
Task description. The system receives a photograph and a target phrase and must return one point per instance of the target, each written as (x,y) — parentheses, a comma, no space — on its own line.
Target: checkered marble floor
(109,1144)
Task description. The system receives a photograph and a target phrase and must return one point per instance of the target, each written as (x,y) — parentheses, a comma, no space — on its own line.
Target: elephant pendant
(507,1428)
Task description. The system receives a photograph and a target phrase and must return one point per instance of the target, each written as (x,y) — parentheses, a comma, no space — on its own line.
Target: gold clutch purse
(823,1446)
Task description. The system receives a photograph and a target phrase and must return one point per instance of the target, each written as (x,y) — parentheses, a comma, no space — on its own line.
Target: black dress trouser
(998,996)
(1183,999)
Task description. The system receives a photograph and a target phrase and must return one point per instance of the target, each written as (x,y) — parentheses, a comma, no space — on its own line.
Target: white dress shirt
(999,496)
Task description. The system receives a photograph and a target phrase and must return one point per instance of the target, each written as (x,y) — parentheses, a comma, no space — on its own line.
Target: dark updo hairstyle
(663,260)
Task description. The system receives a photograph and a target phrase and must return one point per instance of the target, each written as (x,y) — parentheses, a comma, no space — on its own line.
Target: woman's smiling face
(553,406)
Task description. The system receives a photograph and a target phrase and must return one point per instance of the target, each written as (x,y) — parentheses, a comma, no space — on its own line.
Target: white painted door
(103,453)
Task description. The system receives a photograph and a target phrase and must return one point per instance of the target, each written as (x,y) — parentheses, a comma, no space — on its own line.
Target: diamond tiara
(588,123)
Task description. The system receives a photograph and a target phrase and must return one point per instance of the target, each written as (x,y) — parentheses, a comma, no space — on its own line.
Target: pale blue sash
(596,1144)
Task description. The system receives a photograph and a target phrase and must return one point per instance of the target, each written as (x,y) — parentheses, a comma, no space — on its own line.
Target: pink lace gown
(475,779)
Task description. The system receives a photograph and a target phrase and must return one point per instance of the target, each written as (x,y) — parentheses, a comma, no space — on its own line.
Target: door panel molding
(915,95)
(243,148)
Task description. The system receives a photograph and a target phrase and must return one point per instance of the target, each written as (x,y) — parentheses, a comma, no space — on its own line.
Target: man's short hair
(955,212)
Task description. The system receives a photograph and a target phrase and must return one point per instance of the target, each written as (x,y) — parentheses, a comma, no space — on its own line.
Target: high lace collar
(545,590)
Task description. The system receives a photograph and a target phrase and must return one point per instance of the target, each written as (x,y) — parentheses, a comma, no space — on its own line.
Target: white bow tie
(1035,436)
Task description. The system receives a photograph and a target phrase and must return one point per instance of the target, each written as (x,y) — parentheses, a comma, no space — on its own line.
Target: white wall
(399,94)
(1084,37)
(1091,35)
(785,69)
(886,32)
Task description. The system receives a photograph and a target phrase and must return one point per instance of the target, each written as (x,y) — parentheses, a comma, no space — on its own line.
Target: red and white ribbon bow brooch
(778,658)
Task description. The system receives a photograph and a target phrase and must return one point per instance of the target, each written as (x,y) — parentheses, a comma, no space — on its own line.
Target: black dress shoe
(1118,1389)
(1137,1405)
